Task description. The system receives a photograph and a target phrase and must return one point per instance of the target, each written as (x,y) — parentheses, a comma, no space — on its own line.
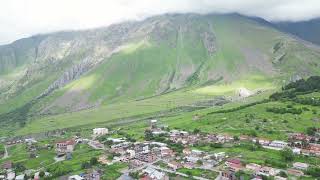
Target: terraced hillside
(75,78)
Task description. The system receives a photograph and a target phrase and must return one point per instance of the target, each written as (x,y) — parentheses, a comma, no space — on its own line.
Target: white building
(278,144)
(20,177)
(100,131)
(301,166)
(296,150)
(154,174)
(11,175)
(75,177)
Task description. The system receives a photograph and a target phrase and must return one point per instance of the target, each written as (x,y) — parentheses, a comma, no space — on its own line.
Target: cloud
(22,18)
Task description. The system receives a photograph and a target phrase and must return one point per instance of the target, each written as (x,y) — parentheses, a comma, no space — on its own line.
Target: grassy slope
(266,124)
(139,70)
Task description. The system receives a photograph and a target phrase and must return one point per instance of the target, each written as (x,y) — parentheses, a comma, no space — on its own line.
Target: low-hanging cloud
(21,18)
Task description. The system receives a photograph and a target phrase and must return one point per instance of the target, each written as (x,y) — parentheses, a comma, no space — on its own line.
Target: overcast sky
(23,18)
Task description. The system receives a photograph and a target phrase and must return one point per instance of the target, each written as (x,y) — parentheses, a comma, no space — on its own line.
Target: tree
(236,138)
(287,154)
(19,167)
(148,135)
(199,162)
(85,165)
(93,161)
(283,174)
(311,131)
(41,173)
(196,131)
(314,172)
(134,175)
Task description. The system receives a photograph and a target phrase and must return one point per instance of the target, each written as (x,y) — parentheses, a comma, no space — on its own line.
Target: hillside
(138,68)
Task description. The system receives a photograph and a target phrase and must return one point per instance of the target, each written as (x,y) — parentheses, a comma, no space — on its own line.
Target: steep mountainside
(133,61)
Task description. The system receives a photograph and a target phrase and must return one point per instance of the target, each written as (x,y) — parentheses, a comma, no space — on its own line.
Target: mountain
(306,30)
(134,68)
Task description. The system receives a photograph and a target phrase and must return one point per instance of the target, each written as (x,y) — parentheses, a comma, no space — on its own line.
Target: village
(171,153)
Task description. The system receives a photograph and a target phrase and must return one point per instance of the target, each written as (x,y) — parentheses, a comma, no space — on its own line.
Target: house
(96,145)
(219,156)
(7,165)
(152,174)
(299,137)
(100,131)
(165,151)
(37,176)
(30,141)
(11,175)
(153,123)
(253,167)
(268,171)
(208,164)
(264,142)
(278,144)
(234,164)
(94,175)
(20,177)
(197,152)
(301,166)
(227,175)
(314,149)
(192,159)
(65,146)
(174,165)
(135,163)
(116,140)
(296,151)
(188,165)
(295,172)
(146,157)
(186,151)
(75,177)
(103,160)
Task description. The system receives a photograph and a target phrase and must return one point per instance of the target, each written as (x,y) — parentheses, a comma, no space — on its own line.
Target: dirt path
(6,154)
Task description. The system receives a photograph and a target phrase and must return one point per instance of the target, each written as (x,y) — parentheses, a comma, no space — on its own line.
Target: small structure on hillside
(100,131)
(153,123)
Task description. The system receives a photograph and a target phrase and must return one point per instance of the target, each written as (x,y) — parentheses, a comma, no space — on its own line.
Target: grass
(113,171)
(254,118)
(199,172)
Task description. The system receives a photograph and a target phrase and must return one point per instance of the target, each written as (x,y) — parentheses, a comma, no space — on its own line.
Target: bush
(314,172)
(93,161)
(287,154)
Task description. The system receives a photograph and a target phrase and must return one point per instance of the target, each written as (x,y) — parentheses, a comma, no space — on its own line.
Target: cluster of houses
(298,142)
(144,157)
(9,173)
(257,171)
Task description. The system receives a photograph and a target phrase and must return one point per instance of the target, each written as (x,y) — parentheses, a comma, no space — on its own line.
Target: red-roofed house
(7,165)
(234,164)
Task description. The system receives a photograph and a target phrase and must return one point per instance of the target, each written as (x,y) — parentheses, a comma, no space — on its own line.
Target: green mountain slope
(169,59)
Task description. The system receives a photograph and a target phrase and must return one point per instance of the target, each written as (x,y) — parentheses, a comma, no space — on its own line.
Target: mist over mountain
(307,30)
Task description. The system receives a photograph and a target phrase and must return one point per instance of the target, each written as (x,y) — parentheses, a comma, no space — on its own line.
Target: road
(6,154)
